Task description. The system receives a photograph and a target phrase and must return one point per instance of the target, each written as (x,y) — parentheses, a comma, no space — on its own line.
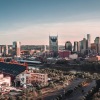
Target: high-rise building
(68,46)
(0,49)
(53,45)
(3,49)
(45,48)
(75,46)
(93,48)
(16,48)
(97,41)
(6,50)
(88,41)
(84,44)
(79,46)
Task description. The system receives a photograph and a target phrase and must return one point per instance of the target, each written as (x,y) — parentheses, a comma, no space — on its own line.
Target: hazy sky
(32,21)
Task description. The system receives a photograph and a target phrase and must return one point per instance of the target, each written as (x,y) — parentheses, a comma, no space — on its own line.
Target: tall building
(88,41)
(93,48)
(75,46)
(68,46)
(16,48)
(97,41)
(6,50)
(83,45)
(0,49)
(79,46)
(45,48)
(53,45)
(3,50)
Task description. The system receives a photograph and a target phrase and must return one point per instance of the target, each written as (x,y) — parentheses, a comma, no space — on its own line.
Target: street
(53,95)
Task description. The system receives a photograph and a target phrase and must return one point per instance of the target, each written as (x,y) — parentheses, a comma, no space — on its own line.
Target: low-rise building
(94,58)
(29,77)
(64,53)
(5,81)
(73,56)
(39,77)
(22,78)
(51,60)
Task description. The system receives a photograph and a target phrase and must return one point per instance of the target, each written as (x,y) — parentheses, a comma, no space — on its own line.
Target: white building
(51,60)
(29,77)
(22,78)
(73,56)
(4,82)
(2,49)
(88,41)
(6,52)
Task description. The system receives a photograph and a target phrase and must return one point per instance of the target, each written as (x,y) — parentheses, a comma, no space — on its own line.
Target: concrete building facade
(97,41)
(16,48)
(5,82)
(94,58)
(29,77)
(88,41)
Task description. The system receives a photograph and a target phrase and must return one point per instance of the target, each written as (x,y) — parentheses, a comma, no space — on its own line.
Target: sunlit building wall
(16,48)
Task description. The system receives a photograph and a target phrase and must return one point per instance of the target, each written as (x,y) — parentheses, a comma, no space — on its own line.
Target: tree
(39,92)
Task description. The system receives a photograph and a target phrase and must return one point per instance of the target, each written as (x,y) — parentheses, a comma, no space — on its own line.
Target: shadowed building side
(53,45)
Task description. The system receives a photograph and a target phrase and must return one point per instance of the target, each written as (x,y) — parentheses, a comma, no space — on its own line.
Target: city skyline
(32,21)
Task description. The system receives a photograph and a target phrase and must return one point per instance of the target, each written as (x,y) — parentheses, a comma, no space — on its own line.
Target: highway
(76,94)
(53,95)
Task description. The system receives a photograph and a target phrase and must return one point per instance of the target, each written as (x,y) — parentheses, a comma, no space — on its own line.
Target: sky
(32,21)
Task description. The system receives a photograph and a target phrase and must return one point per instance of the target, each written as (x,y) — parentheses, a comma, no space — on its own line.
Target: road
(78,94)
(53,95)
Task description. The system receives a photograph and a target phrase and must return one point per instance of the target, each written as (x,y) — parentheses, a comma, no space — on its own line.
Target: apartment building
(29,77)
(5,81)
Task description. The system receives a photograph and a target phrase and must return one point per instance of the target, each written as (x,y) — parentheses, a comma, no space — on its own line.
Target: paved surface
(53,95)
(77,94)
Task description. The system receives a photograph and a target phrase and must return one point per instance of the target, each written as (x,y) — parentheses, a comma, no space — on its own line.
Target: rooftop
(12,69)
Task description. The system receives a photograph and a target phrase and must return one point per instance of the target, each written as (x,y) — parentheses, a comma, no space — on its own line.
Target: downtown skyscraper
(53,45)
(16,48)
